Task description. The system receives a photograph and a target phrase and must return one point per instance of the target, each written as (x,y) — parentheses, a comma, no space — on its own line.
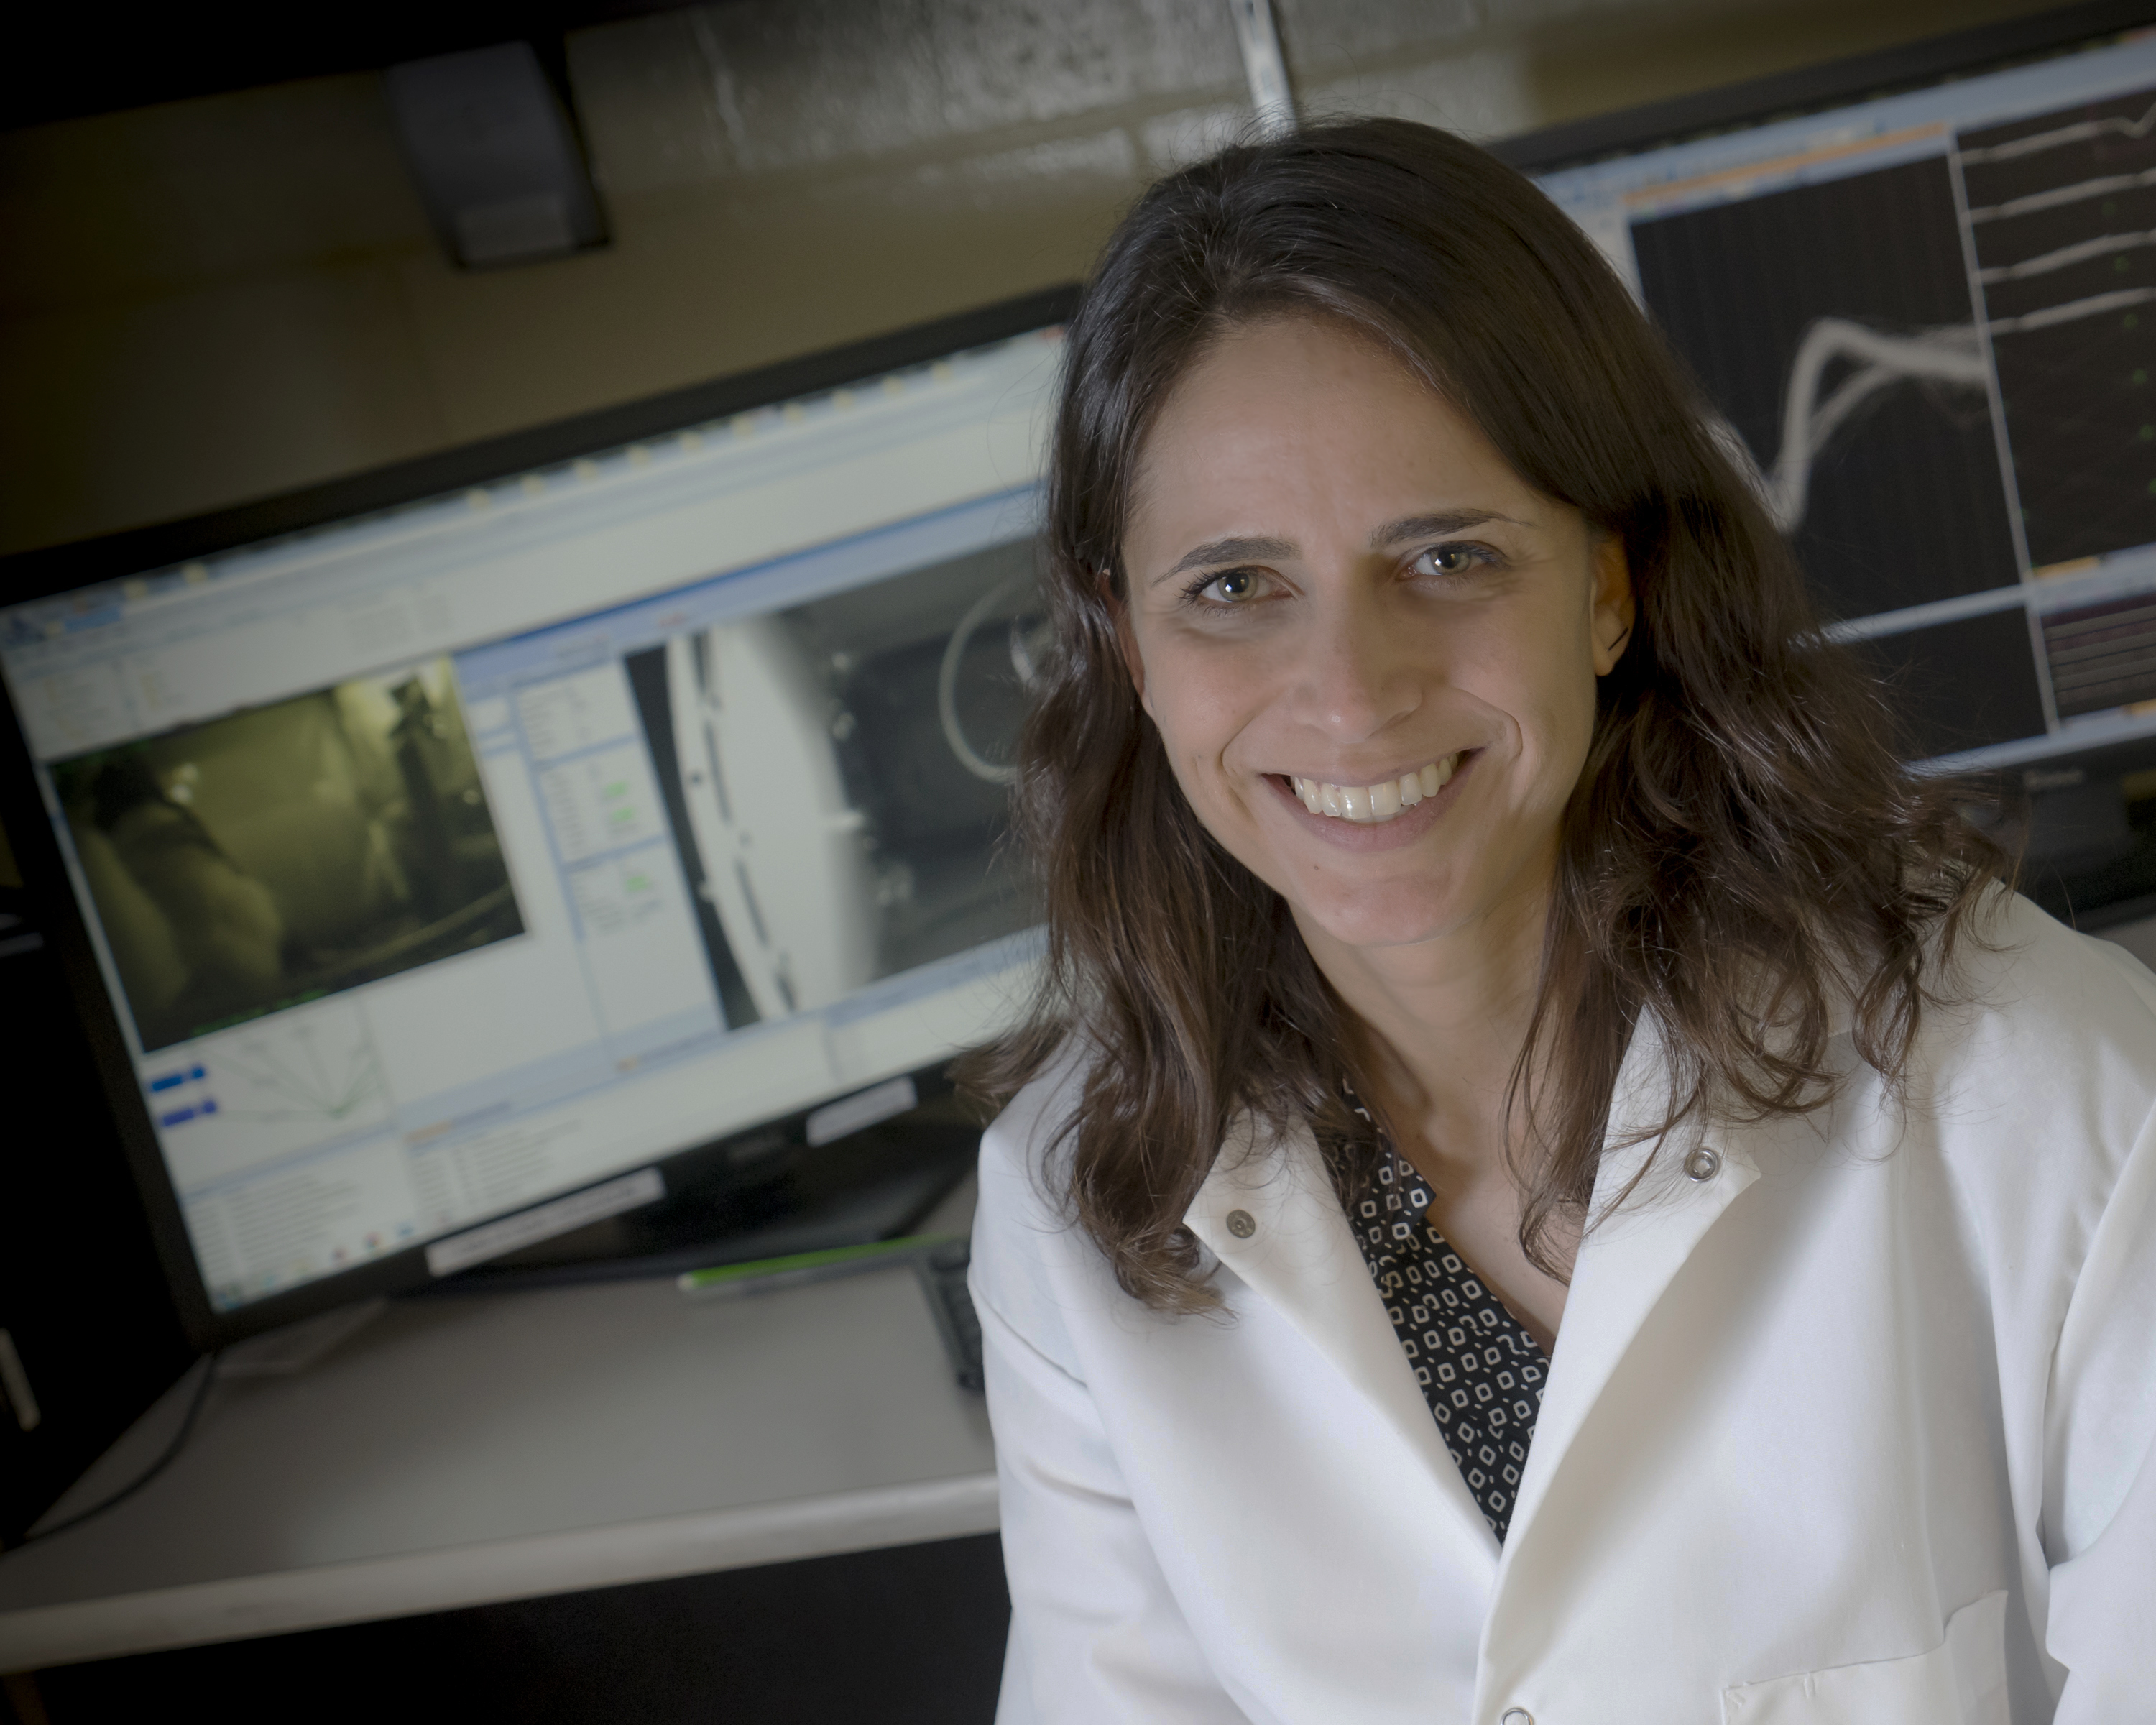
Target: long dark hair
(1744,845)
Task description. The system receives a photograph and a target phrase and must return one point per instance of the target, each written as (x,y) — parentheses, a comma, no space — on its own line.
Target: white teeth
(1373,804)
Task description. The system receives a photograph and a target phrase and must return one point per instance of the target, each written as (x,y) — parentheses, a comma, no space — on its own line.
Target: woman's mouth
(1374,804)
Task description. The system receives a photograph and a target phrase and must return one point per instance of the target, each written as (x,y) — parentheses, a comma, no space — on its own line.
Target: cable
(1264,66)
(179,1442)
(946,690)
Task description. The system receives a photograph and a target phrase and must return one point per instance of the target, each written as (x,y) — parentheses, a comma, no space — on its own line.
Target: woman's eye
(1456,559)
(1232,588)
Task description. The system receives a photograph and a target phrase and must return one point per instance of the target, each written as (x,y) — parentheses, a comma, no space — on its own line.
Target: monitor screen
(1927,321)
(445,858)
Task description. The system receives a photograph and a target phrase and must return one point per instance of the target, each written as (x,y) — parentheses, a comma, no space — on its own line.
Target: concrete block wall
(210,301)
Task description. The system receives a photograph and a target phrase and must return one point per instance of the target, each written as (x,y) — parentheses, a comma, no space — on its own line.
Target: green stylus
(763,1274)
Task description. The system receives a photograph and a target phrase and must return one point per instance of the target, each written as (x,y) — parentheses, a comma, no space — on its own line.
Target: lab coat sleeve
(1096,1635)
(2099,1510)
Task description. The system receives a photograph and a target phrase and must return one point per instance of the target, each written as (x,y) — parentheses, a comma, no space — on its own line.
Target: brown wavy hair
(1744,845)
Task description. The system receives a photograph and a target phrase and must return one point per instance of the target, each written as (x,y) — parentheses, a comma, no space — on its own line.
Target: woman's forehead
(1283,414)
(1292,349)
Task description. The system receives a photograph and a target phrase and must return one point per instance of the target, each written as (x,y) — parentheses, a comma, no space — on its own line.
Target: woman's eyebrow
(1230,551)
(1425,526)
(1392,533)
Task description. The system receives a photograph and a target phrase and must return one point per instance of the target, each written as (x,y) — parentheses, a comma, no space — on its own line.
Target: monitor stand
(284,1353)
(872,1185)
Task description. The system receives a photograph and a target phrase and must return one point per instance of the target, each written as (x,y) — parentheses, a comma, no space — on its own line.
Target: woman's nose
(1357,673)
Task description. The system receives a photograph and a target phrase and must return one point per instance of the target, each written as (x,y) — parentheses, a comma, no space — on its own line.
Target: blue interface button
(197,1073)
(178,1117)
(168,1080)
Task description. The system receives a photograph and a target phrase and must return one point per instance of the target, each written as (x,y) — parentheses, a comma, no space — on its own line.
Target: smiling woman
(1497,962)
(1301,683)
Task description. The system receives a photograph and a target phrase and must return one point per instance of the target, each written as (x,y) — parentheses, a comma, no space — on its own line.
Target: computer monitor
(1927,318)
(448,853)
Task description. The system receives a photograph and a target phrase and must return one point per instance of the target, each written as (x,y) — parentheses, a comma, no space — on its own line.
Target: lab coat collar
(1297,1252)
(1640,1236)
(1294,1250)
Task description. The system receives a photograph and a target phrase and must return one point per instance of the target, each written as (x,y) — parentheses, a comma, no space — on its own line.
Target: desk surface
(461,1450)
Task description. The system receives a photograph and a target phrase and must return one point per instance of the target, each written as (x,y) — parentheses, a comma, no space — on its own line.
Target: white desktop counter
(465,1450)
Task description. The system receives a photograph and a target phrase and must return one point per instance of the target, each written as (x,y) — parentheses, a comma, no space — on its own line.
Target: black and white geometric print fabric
(1480,1372)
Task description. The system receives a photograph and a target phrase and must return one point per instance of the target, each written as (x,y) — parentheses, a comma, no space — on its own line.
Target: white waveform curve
(2081,131)
(2095,305)
(2059,196)
(1954,356)
(2064,256)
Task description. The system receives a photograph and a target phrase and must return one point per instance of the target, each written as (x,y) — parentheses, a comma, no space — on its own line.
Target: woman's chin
(1376,916)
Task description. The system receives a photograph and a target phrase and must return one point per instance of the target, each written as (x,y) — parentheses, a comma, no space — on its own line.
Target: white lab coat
(1857,1430)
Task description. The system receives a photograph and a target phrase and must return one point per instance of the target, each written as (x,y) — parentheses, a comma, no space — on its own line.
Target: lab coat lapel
(1297,1253)
(1628,1259)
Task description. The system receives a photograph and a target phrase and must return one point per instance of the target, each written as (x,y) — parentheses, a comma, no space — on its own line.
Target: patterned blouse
(1480,1372)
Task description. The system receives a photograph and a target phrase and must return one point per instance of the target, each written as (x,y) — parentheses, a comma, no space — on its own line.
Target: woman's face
(1340,593)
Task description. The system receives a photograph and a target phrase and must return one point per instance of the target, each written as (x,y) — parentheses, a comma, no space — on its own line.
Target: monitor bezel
(51,571)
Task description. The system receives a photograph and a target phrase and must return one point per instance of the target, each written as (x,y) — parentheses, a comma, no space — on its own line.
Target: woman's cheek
(1206,699)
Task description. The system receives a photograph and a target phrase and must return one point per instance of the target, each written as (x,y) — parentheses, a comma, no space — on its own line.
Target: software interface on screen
(1929,323)
(444,860)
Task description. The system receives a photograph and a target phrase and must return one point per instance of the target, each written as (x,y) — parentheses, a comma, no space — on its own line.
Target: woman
(1548,1182)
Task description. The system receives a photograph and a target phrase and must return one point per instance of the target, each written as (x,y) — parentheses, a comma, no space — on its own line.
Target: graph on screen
(2062,209)
(1923,327)
(1852,373)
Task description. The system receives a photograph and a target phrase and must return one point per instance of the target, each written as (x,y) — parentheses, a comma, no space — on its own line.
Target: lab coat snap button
(1242,1223)
(1515,1716)
(1703,1163)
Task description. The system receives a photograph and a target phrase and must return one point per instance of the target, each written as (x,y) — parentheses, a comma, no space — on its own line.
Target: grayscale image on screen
(838,775)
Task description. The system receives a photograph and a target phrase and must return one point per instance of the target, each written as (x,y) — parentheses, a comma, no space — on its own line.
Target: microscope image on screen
(838,775)
(293,851)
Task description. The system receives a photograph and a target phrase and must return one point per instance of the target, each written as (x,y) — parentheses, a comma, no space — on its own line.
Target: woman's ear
(1612,624)
(1126,639)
